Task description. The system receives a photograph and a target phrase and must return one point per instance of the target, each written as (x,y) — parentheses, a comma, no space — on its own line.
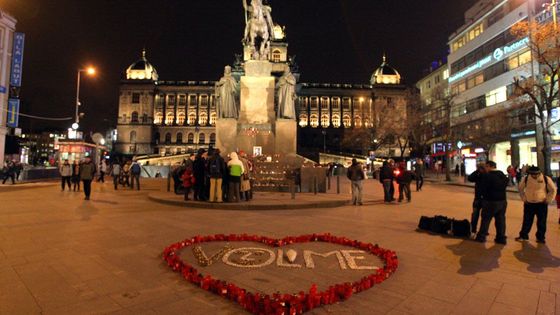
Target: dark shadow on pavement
(105,201)
(475,257)
(537,258)
(86,210)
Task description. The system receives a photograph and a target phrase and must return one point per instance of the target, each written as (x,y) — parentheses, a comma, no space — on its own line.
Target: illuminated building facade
(7,28)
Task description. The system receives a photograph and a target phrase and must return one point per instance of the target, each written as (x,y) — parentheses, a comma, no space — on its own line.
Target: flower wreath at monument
(288,304)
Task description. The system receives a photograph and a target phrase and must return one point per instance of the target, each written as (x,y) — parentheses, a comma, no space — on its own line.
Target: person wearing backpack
(216,170)
(356,175)
(235,167)
(493,186)
(135,170)
(87,174)
(537,191)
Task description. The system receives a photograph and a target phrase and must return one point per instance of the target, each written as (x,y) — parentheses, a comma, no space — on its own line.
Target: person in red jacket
(188,181)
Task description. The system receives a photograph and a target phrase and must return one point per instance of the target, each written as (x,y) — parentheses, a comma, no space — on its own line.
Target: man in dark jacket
(87,173)
(386,179)
(356,175)
(199,172)
(404,178)
(493,186)
(216,171)
(477,202)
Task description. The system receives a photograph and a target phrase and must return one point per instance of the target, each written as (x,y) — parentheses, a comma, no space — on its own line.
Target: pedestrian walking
(188,182)
(76,176)
(87,174)
(386,179)
(102,171)
(404,178)
(135,172)
(494,203)
(9,172)
(356,176)
(537,191)
(216,171)
(116,173)
(475,178)
(235,168)
(66,175)
(419,170)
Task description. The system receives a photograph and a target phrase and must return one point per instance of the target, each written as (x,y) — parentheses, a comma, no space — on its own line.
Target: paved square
(62,255)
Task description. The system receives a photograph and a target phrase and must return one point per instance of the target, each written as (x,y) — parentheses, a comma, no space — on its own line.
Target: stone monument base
(226,135)
(285,135)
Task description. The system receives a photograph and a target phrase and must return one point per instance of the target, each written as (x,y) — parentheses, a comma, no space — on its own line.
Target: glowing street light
(91,72)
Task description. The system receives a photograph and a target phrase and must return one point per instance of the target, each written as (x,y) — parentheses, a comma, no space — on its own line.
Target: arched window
(367,123)
(192,119)
(303,120)
(325,121)
(132,136)
(213,117)
(358,121)
(314,121)
(212,138)
(169,119)
(134,118)
(336,121)
(156,138)
(201,138)
(179,138)
(276,55)
(324,103)
(190,138)
(181,118)
(346,121)
(203,119)
(168,138)
(158,119)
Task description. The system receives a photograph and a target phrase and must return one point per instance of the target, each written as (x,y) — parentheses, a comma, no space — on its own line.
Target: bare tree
(541,90)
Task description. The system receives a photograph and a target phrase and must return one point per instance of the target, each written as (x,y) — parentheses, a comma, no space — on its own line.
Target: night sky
(338,41)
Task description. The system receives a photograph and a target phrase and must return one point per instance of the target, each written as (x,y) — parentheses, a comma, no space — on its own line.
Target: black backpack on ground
(440,224)
(425,223)
(461,228)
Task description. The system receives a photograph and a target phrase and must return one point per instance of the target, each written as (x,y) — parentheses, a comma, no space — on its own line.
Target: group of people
(536,190)
(12,170)
(389,173)
(86,172)
(213,179)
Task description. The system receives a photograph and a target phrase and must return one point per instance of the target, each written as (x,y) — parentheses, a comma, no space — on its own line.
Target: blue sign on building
(17,59)
(3,89)
(13,113)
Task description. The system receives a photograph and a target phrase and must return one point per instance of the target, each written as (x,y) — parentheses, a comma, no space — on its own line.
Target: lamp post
(324,132)
(553,4)
(90,71)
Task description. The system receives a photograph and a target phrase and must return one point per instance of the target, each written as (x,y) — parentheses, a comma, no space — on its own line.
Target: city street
(60,254)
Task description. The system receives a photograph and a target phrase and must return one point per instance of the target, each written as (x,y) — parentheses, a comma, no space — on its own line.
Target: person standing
(76,176)
(245,185)
(419,173)
(494,203)
(235,167)
(216,171)
(87,174)
(116,173)
(537,191)
(356,176)
(126,174)
(10,172)
(404,179)
(386,179)
(477,202)
(199,172)
(102,171)
(188,181)
(558,197)
(66,174)
(135,171)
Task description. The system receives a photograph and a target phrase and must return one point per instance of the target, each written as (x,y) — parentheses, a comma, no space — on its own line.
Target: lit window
(325,121)
(169,119)
(303,102)
(336,121)
(358,121)
(314,121)
(335,102)
(346,121)
(276,55)
(324,103)
(181,118)
(192,119)
(314,101)
(479,79)
(158,119)
(496,96)
(525,58)
(213,117)
(182,100)
(204,100)
(513,62)
(446,74)
(346,103)
(303,120)
(203,119)
(170,99)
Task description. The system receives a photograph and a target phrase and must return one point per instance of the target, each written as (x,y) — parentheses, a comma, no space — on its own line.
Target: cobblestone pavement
(60,254)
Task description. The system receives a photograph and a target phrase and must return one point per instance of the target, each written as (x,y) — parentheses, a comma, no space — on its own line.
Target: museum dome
(385,74)
(141,69)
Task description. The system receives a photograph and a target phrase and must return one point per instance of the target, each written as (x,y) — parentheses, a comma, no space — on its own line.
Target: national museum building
(159,117)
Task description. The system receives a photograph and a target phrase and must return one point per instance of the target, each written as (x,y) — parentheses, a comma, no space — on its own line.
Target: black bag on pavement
(440,224)
(425,223)
(461,228)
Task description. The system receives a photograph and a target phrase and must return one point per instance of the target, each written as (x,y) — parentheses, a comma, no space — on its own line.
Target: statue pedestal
(285,134)
(257,93)
(226,135)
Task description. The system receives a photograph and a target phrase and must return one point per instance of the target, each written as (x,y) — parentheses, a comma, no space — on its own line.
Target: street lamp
(91,72)
(553,4)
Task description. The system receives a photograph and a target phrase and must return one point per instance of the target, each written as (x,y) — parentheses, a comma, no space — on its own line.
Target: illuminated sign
(498,55)
(13,113)
(17,59)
